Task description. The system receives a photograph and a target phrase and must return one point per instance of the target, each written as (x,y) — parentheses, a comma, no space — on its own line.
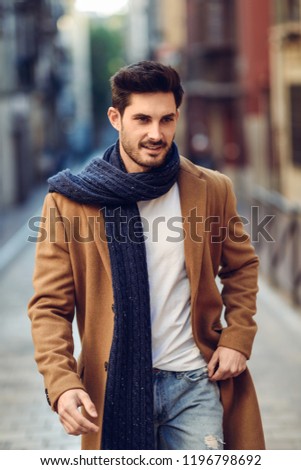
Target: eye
(142,119)
(168,119)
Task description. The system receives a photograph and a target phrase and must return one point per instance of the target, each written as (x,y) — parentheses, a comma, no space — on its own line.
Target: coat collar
(192,189)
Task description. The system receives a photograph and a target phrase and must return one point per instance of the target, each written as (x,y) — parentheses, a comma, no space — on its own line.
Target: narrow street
(28,423)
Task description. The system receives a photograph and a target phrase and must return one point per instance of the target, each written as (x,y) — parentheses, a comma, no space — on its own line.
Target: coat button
(106,365)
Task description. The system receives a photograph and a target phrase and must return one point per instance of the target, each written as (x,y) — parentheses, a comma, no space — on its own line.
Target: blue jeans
(188,413)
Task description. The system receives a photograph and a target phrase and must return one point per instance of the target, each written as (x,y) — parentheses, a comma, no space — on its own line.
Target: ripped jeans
(188,413)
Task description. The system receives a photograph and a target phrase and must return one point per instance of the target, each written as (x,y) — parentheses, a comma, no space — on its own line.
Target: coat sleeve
(239,277)
(51,308)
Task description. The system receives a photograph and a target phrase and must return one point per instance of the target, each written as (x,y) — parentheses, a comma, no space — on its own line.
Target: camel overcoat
(72,277)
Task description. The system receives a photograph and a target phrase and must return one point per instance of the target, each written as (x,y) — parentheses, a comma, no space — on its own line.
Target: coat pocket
(217,327)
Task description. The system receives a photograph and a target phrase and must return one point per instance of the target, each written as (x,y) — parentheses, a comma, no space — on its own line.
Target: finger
(77,424)
(218,375)
(70,426)
(212,364)
(221,373)
(225,373)
(240,371)
(76,421)
(89,406)
(74,430)
(84,424)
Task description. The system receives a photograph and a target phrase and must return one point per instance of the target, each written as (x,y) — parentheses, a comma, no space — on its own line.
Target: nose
(154,132)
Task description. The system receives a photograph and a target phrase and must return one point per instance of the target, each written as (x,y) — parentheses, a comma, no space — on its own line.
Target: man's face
(146,129)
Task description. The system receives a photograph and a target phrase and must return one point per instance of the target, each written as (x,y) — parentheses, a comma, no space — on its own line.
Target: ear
(114,118)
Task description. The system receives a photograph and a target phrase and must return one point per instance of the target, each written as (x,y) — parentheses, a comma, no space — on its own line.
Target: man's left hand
(226,363)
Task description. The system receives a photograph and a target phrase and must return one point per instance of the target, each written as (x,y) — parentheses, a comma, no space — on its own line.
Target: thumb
(88,405)
(213,363)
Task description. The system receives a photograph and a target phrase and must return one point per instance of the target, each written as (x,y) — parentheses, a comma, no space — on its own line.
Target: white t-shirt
(173,346)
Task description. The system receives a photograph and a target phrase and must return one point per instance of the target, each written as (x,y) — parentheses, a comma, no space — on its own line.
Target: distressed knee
(213,442)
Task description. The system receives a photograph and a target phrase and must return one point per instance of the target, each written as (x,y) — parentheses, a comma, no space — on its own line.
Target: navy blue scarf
(128,412)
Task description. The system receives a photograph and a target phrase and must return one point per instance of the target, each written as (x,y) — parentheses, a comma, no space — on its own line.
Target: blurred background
(240,62)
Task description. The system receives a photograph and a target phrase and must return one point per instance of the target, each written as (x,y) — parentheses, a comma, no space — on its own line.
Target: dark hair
(144,77)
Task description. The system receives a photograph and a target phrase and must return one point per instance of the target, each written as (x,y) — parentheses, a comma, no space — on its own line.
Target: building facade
(41,67)
(212,90)
(285,59)
(241,65)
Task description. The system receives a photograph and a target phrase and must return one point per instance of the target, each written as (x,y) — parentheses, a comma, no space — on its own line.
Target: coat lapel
(96,223)
(193,194)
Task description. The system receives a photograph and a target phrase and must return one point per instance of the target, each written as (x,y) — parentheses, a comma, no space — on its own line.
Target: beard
(153,160)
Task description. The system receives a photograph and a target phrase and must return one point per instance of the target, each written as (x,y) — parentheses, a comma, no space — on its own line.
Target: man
(133,244)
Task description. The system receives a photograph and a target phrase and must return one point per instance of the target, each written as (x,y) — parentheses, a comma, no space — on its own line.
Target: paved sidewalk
(26,419)
(276,368)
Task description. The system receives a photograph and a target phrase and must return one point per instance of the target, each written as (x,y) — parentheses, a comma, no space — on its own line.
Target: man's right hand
(71,418)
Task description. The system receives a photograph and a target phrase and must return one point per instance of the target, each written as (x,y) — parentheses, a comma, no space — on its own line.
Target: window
(293,10)
(211,22)
(287,10)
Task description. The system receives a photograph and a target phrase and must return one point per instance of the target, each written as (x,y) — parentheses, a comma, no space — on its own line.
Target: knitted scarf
(128,411)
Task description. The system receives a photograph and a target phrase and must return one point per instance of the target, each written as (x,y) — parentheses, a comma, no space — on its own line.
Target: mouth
(154,148)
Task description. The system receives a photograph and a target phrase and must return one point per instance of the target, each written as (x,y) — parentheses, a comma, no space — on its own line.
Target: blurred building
(281,260)
(156,29)
(285,56)
(43,92)
(137,32)
(75,102)
(252,65)
(200,38)
(241,65)
(213,92)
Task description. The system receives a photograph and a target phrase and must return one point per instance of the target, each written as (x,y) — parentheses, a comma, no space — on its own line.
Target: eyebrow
(139,115)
